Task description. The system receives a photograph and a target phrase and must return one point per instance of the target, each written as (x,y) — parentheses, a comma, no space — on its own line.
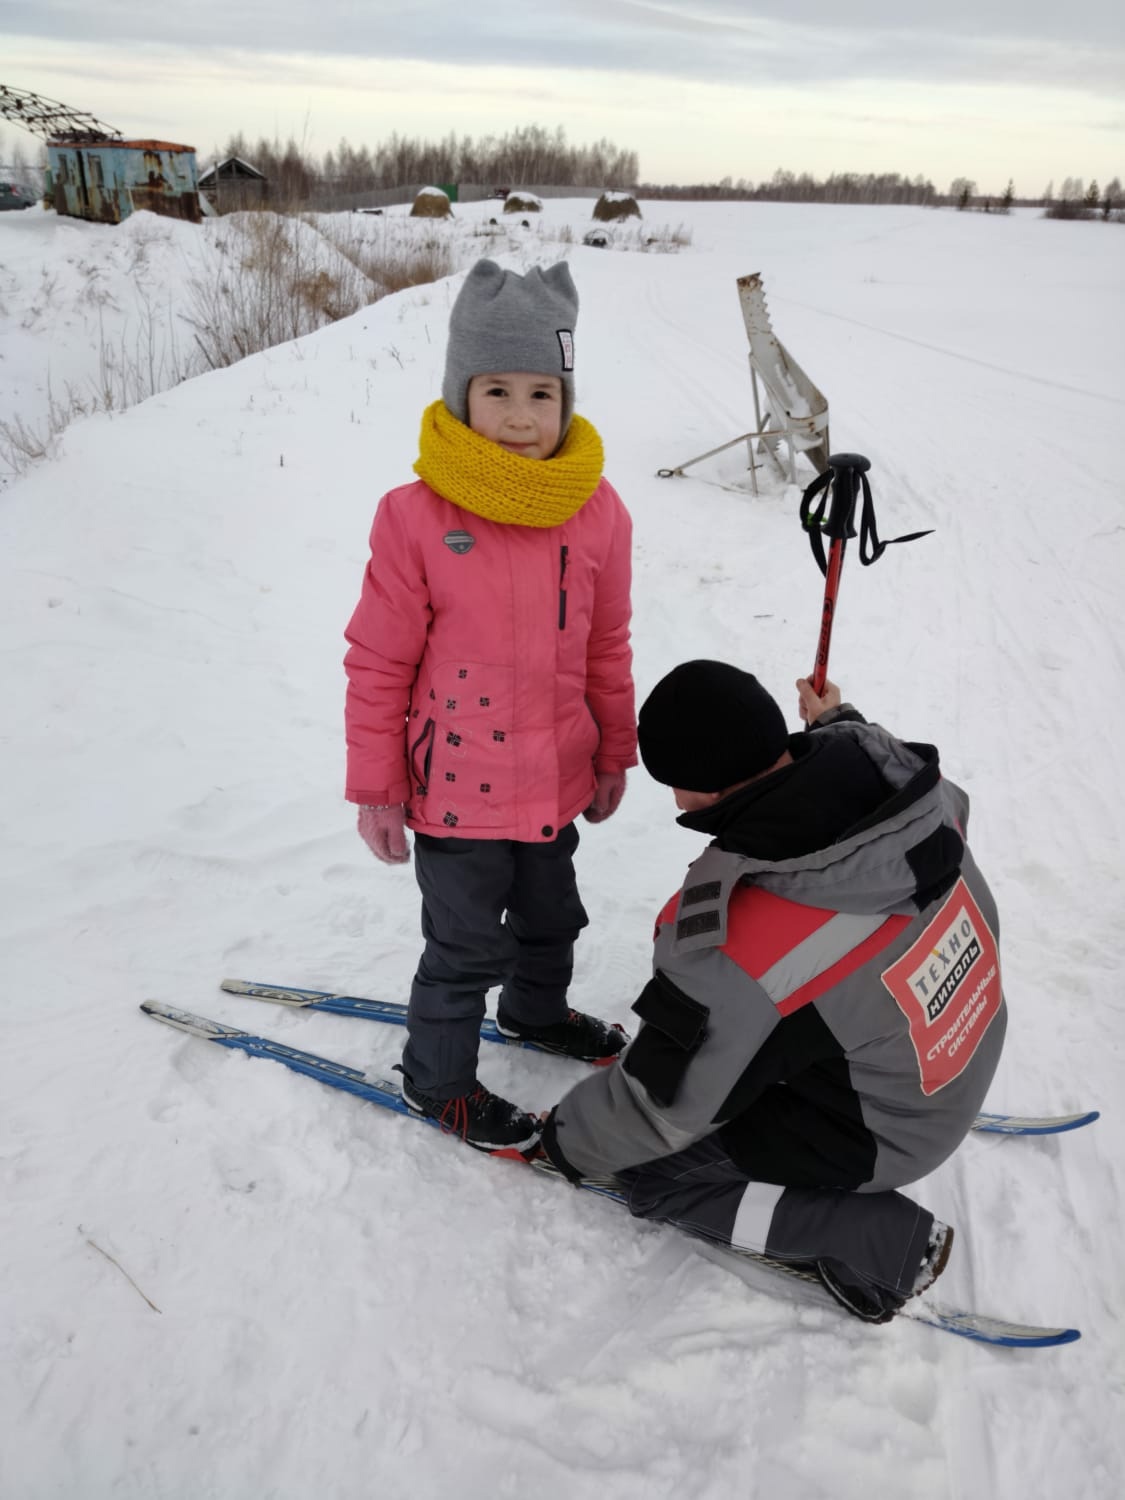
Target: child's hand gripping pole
(839,489)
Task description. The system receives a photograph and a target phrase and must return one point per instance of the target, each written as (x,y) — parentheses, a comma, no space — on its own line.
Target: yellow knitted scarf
(487,480)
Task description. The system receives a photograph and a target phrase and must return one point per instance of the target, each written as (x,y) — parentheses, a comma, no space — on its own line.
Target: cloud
(768,42)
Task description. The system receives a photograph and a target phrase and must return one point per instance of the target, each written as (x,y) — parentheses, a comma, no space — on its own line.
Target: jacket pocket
(673,1032)
(421,754)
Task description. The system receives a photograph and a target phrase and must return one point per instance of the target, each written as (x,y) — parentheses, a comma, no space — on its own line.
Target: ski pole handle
(846,470)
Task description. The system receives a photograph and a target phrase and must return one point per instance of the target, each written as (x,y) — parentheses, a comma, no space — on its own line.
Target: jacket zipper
(422,783)
(562,587)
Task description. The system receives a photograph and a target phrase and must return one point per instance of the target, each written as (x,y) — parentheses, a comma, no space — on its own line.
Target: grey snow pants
(494,912)
(881,1237)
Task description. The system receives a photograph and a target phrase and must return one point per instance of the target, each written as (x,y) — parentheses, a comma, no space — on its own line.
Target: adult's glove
(383,830)
(607,796)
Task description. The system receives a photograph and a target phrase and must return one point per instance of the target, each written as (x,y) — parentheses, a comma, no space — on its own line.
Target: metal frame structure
(797,412)
(52,120)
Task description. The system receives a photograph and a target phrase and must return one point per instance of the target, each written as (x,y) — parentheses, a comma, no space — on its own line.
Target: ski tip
(1046,1338)
(1049,1338)
(995,1124)
(996,1331)
(280,994)
(186,1020)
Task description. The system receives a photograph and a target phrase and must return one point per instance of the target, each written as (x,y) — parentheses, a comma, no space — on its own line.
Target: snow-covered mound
(97,317)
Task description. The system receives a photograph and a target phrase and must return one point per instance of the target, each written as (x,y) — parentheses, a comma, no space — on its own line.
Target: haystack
(519,202)
(616,206)
(432,203)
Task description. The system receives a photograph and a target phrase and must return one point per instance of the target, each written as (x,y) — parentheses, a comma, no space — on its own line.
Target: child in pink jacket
(490,692)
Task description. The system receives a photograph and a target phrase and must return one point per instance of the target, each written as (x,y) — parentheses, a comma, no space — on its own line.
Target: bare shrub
(675,239)
(320,293)
(391,265)
(413,266)
(1068,208)
(271,285)
(144,360)
(651,241)
(22,444)
(274,279)
(611,206)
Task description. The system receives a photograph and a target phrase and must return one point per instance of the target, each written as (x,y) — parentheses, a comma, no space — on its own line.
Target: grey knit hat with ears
(505,322)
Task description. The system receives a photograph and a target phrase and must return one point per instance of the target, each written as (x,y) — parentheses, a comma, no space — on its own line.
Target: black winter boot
(480,1117)
(580,1036)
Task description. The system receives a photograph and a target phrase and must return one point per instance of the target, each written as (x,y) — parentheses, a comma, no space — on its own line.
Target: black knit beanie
(707,726)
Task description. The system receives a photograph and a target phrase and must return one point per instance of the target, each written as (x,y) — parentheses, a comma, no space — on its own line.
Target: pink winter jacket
(489,666)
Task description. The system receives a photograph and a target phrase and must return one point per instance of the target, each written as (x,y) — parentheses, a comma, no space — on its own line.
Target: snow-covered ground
(347,1305)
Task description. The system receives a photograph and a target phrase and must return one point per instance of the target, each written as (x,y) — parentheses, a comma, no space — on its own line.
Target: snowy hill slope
(347,1305)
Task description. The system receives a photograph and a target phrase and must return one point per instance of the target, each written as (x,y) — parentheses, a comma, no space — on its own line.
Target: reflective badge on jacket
(947,985)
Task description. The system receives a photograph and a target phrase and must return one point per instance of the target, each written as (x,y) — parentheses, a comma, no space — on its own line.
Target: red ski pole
(839,488)
(833,518)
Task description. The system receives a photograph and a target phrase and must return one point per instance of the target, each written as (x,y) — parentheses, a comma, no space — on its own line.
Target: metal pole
(838,525)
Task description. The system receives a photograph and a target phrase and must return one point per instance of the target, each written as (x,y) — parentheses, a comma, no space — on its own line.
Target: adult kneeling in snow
(825,1013)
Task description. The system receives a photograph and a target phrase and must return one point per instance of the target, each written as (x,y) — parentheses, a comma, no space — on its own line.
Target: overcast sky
(990,89)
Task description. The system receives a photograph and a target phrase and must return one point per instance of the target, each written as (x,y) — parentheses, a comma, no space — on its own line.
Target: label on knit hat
(566,344)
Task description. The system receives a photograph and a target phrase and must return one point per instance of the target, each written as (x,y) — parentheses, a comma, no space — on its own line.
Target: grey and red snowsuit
(822,1024)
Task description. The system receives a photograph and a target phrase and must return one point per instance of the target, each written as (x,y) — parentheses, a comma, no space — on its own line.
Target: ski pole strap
(871,548)
(813,518)
(828,509)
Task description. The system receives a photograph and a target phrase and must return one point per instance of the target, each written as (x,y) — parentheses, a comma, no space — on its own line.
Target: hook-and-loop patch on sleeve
(701,909)
(673,1031)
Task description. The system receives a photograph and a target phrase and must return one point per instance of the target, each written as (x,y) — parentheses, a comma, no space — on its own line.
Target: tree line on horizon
(1077,201)
(532,156)
(523,157)
(802,187)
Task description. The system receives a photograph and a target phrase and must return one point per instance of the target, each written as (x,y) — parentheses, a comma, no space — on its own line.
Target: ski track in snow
(348,1305)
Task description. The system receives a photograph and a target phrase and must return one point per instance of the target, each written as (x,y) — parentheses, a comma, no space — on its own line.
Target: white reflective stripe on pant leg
(755,1213)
